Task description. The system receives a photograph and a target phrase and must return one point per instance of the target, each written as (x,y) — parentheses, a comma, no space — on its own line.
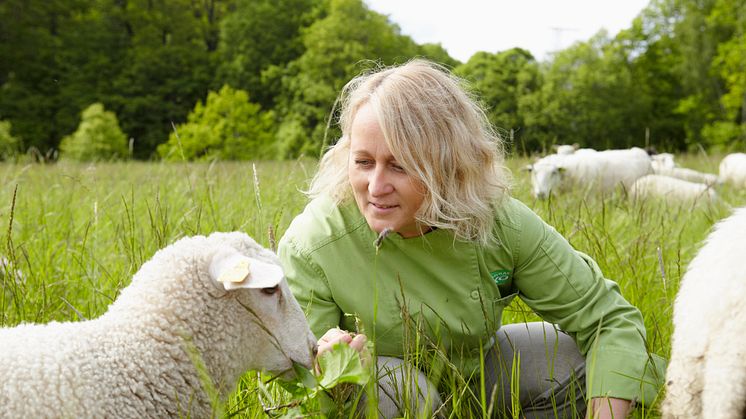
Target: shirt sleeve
(567,288)
(309,287)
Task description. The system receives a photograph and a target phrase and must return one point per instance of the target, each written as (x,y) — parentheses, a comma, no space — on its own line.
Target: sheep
(671,189)
(565,148)
(662,161)
(733,169)
(687,174)
(706,376)
(216,305)
(602,171)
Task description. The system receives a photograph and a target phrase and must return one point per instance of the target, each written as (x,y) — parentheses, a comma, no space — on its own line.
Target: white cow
(733,169)
(600,171)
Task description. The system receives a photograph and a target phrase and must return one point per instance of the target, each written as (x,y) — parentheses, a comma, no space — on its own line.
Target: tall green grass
(79,232)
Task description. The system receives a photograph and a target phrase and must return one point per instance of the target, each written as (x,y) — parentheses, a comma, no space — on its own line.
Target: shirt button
(475,295)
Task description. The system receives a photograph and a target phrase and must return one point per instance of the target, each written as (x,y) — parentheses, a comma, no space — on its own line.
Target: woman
(418,159)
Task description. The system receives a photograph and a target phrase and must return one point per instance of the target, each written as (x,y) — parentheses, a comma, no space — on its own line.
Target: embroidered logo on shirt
(501,276)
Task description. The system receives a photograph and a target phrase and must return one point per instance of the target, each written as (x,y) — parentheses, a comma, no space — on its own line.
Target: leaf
(342,365)
(305,376)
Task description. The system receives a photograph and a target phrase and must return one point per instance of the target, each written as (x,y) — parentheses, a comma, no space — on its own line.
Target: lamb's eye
(271,290)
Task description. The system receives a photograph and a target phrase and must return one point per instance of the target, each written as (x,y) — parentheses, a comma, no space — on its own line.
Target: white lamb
(662,161)
(690,175)
(671,189)
(706,376)
(733,169)
(220,302)
(600,171)
(565,148)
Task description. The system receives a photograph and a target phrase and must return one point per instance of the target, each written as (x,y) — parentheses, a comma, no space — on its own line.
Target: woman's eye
(364,163)
(270,290)
(397,168)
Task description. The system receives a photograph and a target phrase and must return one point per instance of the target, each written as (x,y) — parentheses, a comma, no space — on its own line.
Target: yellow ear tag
(237,273)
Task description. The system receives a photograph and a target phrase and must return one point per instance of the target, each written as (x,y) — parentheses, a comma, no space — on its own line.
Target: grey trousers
(532,367)
(549,368)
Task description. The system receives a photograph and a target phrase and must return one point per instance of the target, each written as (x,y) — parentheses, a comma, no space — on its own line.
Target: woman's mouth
(382,206)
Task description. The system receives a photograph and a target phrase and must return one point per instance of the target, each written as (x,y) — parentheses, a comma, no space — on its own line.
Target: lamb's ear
(235,270)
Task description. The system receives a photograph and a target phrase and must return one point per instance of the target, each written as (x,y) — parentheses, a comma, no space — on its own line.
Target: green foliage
(673,79)
(259,34)
(227,127)
(730,62)
(335,46)
(502,81)
(169,65)
(722,136)
(98,137)
(10,145)
(588,97)
(654,58)
(329,393)
(438,54)
(148,61)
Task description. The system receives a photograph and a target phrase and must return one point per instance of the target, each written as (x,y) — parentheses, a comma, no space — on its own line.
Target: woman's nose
(379,183)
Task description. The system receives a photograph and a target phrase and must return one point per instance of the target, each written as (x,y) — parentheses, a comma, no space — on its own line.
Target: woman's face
(386,195)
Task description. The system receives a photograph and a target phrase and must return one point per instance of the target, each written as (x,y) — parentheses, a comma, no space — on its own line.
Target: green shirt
(458,289)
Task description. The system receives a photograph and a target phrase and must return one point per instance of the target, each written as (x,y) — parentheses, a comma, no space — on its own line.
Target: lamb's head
(662,161)
(545,177)
(272,329)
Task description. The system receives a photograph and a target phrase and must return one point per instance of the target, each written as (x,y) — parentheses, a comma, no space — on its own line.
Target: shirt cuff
(614,372)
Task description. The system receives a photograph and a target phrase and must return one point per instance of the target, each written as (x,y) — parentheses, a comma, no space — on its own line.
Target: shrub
(227,127)
(10,146)
(97,138)
(723,136)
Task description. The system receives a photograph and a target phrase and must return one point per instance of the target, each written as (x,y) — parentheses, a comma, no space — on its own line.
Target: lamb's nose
(315,350)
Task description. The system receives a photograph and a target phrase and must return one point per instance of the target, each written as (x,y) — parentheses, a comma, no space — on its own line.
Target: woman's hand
(337,335)
(608,408)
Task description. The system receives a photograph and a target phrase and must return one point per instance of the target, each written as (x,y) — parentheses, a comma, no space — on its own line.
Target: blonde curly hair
(439,134)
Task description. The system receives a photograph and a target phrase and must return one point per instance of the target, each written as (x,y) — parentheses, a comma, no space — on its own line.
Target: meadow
(78,232)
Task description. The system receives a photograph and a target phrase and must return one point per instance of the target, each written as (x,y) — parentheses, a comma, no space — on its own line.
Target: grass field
(79,232)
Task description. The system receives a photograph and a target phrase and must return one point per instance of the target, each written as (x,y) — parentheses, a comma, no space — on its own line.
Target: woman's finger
(331,338)
(358,342)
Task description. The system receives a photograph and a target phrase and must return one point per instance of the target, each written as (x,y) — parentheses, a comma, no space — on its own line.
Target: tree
(149,61)
(169,66)
(588,96)
(655,57)
(257,35)
(438,54)
(227,127)
(98,137)
(698,40)
(730,65)
(338,46)
(502,80)
(33,38)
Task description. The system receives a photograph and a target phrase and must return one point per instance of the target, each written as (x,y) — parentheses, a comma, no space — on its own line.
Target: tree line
(237,79)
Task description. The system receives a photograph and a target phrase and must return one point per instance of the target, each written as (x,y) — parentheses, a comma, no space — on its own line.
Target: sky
(464,27)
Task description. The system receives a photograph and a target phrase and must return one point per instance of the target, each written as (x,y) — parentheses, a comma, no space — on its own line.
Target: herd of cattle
(639,173)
